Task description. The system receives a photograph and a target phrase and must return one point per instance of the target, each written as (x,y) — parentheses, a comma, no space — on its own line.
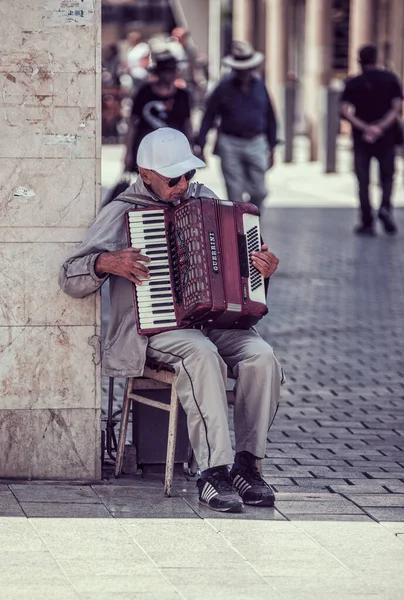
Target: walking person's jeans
(385,155)
(244,164)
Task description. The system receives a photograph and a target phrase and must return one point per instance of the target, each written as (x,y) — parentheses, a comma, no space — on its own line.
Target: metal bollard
(289,119)
(331,130)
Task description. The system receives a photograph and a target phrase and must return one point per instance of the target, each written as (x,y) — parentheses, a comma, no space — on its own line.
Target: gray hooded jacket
(124,350)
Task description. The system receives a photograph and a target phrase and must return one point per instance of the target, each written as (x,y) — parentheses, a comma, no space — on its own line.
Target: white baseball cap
(167,151)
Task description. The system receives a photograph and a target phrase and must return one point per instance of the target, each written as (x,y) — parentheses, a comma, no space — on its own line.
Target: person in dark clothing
(158,103)
(247,132)
(372,103)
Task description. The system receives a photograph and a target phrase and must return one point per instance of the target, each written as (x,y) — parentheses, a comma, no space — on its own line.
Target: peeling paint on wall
(69,12)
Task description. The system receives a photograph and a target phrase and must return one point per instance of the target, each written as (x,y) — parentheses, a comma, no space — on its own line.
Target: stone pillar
(361,29)
(243,15)
(49,182)
(317,69)
(214,40)
(276,64)
(396,28)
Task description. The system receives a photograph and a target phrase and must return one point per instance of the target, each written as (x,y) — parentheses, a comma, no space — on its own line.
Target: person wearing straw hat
(247,130)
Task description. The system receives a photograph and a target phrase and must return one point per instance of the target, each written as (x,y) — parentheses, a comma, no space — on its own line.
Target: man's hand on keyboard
(127,263)
(265,261)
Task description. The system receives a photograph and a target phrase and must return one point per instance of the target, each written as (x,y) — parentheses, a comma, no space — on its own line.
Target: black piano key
(161,304)
(154,230)
(152,267)
(146,215)
(159,284)
(162,321)
(156,290)
(161,296)
(154,245)
(153,252)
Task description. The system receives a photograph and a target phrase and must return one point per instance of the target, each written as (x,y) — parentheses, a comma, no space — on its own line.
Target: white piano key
(165,296)
(150,298)
(139,214)
(147,225)
(149,323)
(155,283)
(150,287)
(156,278)
(152,238)
(136,231)
(146,313)
(158,263)
(151,295)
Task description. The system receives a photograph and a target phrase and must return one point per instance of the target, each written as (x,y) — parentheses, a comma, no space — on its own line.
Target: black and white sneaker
(248,481)
(216,491)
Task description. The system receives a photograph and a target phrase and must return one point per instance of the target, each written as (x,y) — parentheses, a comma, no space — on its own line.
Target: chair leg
(123,429)
(171,442)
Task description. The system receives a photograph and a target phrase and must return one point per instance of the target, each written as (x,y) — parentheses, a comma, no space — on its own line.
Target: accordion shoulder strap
(142,200)
(194,190)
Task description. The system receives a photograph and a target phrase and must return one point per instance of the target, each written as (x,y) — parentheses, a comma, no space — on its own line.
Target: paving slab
(77,494)
(249,513)
(44,590)
(9,507)
(19,535)
(97,539)
(386,514)
(394,527)
(377,500)
(336,507)
(154,595)
(64,510)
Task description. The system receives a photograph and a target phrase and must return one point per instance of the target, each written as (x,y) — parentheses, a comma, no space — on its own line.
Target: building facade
(315,43)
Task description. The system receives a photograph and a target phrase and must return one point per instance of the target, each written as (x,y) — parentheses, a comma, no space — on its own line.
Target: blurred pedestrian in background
(111,92)
(372,103)
(247,131)
(110,66)
(137,60)
(192,66)
(158,103)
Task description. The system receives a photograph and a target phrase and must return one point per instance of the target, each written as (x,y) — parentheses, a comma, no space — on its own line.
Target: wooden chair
(156,376)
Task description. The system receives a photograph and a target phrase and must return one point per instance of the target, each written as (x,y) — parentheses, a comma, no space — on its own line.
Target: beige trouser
(200,359)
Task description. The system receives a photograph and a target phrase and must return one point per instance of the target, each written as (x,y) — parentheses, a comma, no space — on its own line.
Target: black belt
(244,136)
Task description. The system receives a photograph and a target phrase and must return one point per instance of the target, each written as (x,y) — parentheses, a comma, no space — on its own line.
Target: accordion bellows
(200,265)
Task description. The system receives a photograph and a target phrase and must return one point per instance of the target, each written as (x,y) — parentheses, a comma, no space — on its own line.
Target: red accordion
(200,271)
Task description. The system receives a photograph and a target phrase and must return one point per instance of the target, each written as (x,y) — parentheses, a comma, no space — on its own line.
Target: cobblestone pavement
(336,449)
(336,322)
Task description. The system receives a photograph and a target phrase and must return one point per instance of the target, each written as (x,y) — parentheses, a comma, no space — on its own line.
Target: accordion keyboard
(155,296)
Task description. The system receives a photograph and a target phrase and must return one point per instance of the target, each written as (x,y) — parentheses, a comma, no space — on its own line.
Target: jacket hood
(138,188)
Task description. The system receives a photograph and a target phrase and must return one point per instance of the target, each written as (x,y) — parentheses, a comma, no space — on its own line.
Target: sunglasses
(175,180)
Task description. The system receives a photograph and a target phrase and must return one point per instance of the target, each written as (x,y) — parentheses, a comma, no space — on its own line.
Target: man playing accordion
(199,355)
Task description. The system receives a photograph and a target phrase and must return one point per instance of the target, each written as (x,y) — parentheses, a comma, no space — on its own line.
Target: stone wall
(49,194)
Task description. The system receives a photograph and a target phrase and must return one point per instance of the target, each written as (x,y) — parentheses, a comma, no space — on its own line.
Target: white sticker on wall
(23,193)
(60,139)
(69,12)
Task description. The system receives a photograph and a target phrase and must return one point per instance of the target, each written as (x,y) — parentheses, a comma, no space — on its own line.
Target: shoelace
(251,472)
(221,481)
